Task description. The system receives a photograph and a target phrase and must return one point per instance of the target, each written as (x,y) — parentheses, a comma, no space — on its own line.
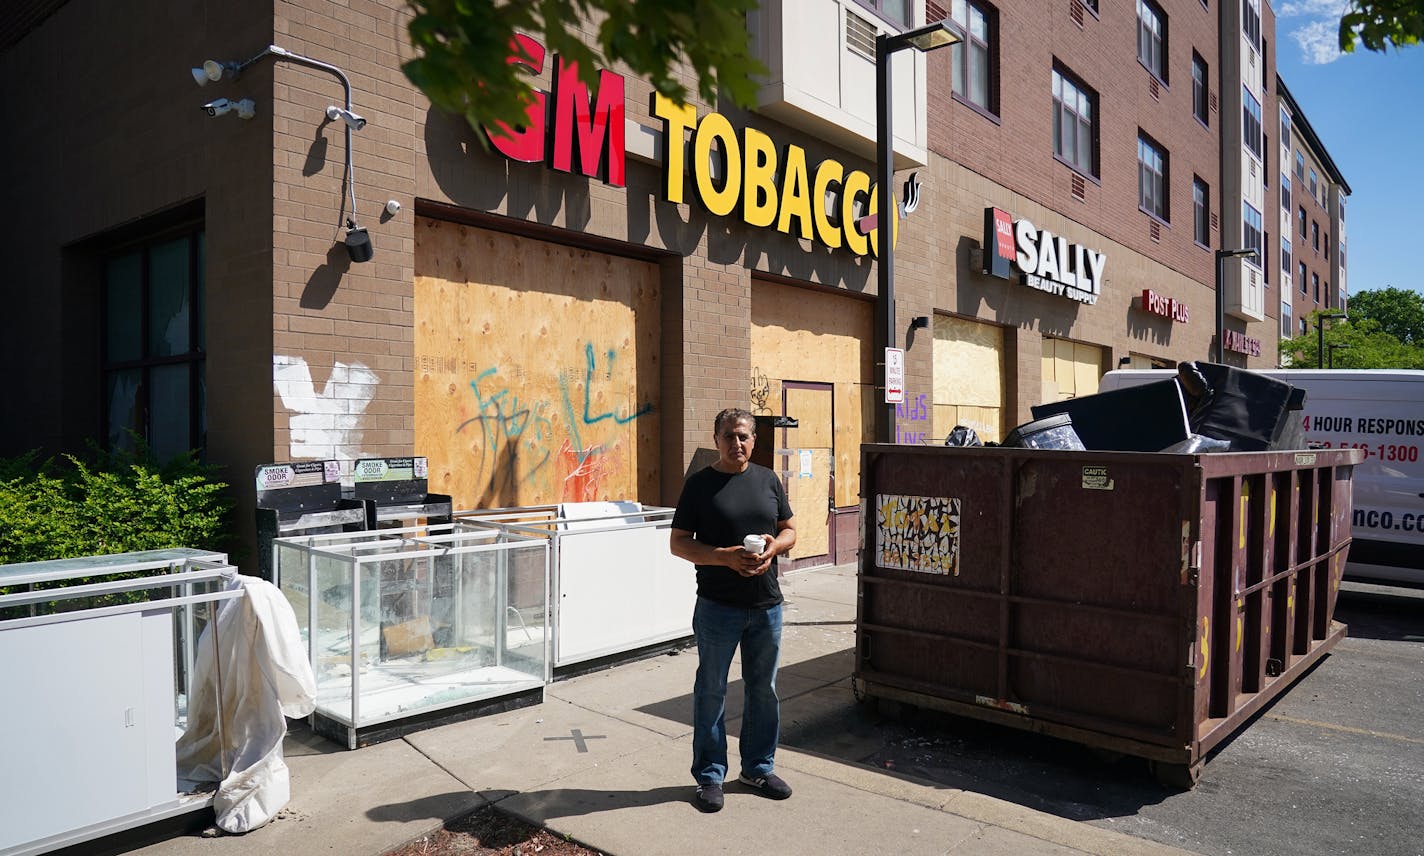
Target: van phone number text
(1383,451)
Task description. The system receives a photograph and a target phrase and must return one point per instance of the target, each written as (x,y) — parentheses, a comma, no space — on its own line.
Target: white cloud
(1319,42)
(1313,9)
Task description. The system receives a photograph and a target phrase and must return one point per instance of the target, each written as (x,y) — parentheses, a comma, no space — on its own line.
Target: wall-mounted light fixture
(1123,362)
(358,242)
(919,322)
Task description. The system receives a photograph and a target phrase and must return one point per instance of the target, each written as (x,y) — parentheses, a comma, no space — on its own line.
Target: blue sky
(1368,110)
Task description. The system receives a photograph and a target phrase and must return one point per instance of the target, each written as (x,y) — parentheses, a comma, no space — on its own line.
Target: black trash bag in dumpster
(963,435)
(1252,411)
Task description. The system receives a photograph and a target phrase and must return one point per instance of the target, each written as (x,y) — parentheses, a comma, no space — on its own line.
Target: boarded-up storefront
(968,377)
(1070,369)
(811,360)
(536,369)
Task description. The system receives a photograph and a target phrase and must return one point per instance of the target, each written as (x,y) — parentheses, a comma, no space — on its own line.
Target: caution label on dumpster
(917,533)
(1096,478)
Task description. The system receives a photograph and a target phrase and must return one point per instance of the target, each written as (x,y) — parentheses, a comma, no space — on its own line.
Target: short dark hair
(731,416)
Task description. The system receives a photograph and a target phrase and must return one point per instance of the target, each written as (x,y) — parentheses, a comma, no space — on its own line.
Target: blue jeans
(719,629)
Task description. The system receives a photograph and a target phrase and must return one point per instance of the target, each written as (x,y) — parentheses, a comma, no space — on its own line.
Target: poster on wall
(917,533)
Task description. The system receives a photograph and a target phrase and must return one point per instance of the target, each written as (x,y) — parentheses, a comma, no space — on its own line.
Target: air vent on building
(1251,167)
(1153,89)
(1079,187)
(1075,11)
(1251,59)
(1211,99)
(1213,222)
(934,12)
(1252,279)
(1154,230)
(860,35)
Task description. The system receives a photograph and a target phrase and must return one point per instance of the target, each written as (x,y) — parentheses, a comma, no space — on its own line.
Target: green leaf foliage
(1399,312)
(1377,24)
(463,49)
(66,508)
(1366,346)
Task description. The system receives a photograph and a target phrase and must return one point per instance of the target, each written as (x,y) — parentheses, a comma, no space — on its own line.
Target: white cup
(754,544)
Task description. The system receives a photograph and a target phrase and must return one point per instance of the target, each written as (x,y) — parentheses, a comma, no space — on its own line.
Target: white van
(1382,412)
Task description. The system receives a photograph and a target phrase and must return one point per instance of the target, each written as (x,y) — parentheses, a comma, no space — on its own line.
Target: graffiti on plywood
(760,394)
(325,423)
(917,533)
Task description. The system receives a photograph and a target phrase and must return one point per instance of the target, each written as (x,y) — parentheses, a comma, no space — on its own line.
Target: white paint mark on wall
(325,424)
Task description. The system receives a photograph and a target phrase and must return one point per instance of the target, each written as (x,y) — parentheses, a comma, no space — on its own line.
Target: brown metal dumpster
(1142,603)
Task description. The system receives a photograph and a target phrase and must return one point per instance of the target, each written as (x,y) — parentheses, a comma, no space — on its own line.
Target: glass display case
(401,623)
(98,654)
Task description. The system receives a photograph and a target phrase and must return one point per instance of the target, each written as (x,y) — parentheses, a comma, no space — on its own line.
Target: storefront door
(809,467)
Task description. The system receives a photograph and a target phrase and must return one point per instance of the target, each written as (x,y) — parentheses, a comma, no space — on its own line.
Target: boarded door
(810,478)
(536,376)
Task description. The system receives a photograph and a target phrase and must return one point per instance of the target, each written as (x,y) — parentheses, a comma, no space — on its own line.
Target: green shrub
(65,508)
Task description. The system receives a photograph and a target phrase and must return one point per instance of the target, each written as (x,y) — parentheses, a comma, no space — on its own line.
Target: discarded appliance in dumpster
(1142,603)
(415,626)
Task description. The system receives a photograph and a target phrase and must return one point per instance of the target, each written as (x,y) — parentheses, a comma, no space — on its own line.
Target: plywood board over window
(1070,369)
(799,334)
(968,377)
(536,369)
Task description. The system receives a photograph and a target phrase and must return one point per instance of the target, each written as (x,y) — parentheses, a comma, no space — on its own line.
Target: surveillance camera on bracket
(246,108)
(352,121)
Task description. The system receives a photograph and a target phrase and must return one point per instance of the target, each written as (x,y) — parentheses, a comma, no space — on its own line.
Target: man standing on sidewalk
(738,603)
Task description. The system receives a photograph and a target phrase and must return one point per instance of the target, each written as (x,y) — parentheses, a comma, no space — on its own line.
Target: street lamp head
(1248,253)
(937,35)
(1334,314)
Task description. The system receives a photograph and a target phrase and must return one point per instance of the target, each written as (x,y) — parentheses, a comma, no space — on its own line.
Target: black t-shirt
(720,509)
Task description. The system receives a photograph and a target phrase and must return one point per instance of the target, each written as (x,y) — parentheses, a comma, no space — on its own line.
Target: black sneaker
(771,785)
(709,798)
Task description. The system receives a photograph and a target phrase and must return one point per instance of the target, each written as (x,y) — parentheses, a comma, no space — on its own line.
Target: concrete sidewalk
(604,760)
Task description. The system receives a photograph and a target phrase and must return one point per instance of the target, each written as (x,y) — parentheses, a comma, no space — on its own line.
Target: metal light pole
(1221,257)
(1320,320)
(1335,346)
(928,38)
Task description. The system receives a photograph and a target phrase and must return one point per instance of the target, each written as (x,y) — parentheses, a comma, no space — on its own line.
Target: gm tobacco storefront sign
(576,130)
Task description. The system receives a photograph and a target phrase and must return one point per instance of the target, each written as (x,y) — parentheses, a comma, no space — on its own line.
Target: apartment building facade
(558,317)
(1312,217)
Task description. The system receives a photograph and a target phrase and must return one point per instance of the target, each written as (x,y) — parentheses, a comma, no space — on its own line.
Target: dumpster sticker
(1096,478)
(917,533)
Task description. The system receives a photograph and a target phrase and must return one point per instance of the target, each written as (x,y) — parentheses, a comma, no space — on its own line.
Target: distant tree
(1366,346)
(1380,23)
(1399,311)
(463,49)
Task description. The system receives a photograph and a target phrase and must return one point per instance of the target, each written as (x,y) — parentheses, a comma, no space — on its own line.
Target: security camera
(246,108)
(352,121)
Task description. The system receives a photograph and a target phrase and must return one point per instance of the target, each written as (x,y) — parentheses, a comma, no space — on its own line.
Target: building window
(1285,255)
(1152,38)
(1327,291)
(1304,326)
(1302,221)
(1151,178)
(1313,191)
(1304,289)
(1285,127)
(1299,165)
(1315,235)
(1251,22)
(153,346)
(1327,246)
(972,59)
(1075,123)
(1201,212)
(1315,283)
(1199,88)
(1251,121)
(894,11)
(1286,318)
(1285,195)
(1251,232)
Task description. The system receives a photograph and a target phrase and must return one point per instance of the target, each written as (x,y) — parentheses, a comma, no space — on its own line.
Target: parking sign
(894,375)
